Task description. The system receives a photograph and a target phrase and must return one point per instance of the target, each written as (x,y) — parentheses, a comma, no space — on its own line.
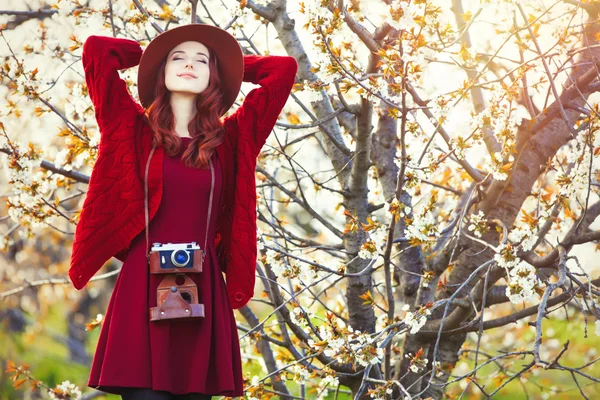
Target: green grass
(47,357)
(544,380)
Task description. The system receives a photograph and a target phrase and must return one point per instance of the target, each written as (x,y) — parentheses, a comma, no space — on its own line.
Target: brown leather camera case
(172,304)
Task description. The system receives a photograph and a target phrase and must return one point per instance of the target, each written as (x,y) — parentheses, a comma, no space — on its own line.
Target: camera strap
(212,184)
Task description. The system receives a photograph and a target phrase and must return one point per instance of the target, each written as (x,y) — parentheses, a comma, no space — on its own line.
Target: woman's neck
(183,107)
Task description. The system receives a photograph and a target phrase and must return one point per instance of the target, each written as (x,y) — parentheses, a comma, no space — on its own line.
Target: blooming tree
(431,182)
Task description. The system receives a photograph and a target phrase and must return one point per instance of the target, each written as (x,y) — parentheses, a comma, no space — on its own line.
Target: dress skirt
(179,356)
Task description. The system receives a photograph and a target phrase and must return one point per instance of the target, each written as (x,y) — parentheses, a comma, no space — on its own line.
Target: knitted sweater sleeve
(116,115)
(259,112)
(102,58)
(249,127)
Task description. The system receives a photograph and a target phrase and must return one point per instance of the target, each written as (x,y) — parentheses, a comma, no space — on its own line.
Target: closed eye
(179,58)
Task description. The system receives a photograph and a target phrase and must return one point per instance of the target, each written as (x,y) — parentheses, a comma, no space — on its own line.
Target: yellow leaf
(570,213)
(528,218)
(19,383)
(464,52)
(467,16)
(33,74)
(366,297)
(39,111)
(10,366)
(506,167)
(167,13)
(293,118)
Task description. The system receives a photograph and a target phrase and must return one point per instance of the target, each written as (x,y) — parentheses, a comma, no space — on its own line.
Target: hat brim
(226,48)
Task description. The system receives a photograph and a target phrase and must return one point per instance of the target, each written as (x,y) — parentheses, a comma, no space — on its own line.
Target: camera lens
(180,258)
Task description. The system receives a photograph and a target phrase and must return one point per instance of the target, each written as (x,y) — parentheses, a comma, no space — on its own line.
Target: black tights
(149,394)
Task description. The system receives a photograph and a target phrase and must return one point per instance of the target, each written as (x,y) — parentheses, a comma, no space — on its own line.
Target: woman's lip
(187,76)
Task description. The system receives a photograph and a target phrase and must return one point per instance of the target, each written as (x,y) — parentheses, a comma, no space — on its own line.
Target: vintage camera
(177,294)
(176,258)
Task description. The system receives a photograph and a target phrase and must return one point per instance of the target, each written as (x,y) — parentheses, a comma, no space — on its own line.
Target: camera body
(169,257)
(177,294)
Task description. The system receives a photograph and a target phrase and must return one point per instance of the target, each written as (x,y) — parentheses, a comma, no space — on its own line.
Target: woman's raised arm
(102,58)
(261,107)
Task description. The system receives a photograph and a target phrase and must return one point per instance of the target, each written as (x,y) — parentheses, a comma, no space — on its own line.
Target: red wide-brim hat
(230,59)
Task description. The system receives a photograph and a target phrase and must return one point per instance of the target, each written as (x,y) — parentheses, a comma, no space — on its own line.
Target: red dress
(180,356)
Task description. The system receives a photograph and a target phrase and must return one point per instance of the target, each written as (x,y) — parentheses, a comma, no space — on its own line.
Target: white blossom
(525,235)
(422,227)
(259,239)
(440,106)
(379,236)
(183,11)
(478,224)
(301,373)
(478,121)
(415,321)
(407,10)
(505,130)
(494,165)
(575,182)
(67,388)
(60,159)
(298,317)
(506,256)
(64,7)
(334,346)
(330,380)
(522,283)
(368,251)
(276,265)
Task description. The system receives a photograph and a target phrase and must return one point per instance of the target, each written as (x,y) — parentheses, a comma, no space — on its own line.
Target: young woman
(170,171)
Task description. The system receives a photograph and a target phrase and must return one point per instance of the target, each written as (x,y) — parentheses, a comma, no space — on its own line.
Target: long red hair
(206,128)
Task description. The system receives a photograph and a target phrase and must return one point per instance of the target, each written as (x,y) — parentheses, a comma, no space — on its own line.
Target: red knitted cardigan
(113,210)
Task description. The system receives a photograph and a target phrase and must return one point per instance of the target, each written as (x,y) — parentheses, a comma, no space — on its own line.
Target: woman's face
(187,68)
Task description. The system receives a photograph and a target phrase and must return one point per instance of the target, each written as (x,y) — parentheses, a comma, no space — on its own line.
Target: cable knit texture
(113,210)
